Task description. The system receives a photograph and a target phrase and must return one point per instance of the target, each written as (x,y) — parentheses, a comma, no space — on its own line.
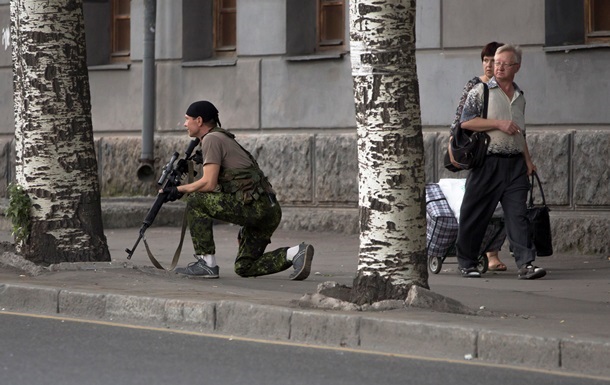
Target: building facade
(279,72)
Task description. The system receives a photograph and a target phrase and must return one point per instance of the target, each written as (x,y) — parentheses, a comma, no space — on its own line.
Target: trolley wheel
(483,263)
(435,264)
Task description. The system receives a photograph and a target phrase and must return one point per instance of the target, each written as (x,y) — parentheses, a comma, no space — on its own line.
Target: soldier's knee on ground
(242,268)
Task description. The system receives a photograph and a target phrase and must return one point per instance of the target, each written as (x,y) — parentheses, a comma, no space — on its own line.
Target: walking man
(504,175)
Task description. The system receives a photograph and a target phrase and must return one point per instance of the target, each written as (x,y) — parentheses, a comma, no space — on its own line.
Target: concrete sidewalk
(559,322)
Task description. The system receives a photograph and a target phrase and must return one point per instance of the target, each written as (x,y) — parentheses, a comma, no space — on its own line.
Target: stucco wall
(264,90)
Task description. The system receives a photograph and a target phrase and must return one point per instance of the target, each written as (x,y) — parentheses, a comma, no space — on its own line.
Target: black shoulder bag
(469,148)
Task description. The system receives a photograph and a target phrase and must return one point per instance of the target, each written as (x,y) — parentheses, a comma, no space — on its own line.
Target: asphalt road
(52,350)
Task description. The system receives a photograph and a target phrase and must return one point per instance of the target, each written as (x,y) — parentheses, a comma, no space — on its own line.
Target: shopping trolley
(442,231)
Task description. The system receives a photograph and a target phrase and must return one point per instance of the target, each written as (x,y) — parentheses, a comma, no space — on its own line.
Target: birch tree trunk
(392,254)
(55,155)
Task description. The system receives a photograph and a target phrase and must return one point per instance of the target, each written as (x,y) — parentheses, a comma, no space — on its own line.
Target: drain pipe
(146,171)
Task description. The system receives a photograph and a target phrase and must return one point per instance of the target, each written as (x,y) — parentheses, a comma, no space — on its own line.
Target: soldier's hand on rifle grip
(172,193)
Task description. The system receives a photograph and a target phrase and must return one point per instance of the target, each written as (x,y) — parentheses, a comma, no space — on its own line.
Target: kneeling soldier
(233,189)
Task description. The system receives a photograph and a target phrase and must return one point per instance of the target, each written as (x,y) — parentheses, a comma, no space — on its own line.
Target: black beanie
(205,109)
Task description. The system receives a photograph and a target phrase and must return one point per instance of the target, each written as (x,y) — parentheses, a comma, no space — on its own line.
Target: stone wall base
(315,175)
(573,233)
(578,233)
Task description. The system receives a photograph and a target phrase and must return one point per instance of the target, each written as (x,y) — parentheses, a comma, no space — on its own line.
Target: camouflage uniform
(248,200)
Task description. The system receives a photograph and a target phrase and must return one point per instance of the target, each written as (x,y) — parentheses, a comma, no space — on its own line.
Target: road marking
(304,345)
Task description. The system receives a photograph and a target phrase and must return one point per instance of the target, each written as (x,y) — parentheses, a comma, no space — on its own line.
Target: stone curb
(315,327)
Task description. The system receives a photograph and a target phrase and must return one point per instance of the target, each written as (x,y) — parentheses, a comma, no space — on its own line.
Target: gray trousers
(502,180)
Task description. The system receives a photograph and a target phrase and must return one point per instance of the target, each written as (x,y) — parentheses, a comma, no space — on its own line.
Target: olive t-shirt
(218,148)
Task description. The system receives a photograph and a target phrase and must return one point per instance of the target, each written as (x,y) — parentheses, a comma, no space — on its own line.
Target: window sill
(316,56)
(568,48)
(211,63)
(110,67)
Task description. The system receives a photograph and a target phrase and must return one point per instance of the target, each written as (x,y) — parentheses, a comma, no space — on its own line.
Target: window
(209,31)
(225,27)
(315,26)
(576,24)
(121,30)
(108,32)
(597,21)
(331,24)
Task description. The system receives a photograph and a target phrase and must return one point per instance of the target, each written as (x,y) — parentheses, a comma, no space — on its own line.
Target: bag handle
(531,201)
(468,132)
(485,100)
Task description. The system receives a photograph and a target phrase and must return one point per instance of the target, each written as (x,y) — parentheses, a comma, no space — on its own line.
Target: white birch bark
(392,254)
(55,156)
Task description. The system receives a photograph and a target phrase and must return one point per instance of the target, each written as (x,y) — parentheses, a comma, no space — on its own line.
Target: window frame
(322,11)
(221,49)
(593,35)
(117,55)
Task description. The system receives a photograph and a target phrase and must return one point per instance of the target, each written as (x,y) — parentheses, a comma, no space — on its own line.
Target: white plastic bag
(453,190)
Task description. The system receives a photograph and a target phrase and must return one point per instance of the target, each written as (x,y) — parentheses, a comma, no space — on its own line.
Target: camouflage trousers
(258,221)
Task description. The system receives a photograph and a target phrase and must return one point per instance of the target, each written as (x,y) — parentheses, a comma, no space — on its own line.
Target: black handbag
(468,148)
(539,222)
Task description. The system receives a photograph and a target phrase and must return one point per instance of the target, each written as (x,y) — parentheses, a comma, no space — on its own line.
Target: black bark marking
(377,205)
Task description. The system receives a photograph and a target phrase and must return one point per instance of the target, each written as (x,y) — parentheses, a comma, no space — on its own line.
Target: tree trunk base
(46,250)
(368,289)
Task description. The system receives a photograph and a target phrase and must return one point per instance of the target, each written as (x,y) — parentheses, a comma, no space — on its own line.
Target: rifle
(170,177)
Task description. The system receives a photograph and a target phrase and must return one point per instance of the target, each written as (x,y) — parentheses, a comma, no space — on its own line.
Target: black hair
(490,49)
